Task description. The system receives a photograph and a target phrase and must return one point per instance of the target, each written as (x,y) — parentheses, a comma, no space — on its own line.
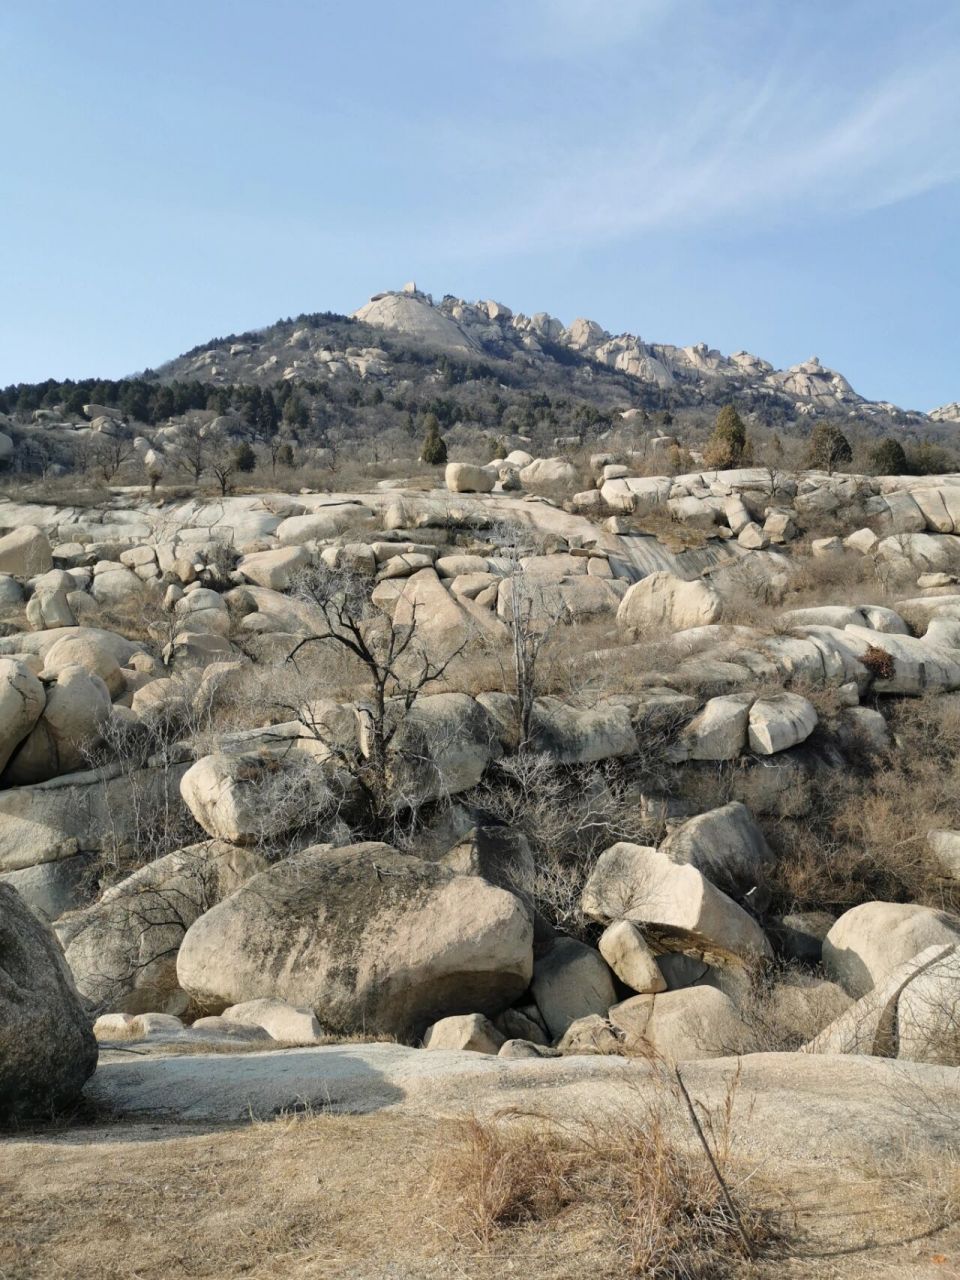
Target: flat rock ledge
(795,1107)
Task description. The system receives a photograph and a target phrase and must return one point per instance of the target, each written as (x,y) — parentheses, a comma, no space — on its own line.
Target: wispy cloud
(809,136)
(562,29)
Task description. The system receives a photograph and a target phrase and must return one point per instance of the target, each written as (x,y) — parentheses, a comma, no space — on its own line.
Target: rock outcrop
(47,1046)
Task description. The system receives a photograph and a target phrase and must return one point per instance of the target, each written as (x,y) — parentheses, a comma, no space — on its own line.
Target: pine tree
(889,459)
(244,457)
(433,451)
(728,445)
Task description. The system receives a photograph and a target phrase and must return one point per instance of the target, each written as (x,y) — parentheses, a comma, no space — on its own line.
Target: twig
(728,1199)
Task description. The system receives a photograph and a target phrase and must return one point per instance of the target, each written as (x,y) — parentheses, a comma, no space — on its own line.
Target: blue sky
(750,173)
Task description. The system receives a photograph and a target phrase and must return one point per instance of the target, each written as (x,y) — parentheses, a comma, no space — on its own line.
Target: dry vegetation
(326,1197)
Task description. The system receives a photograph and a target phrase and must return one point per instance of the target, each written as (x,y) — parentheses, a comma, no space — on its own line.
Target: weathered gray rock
(780,721)
(718,732)
(913,1013)
(366,937)
(25,552)
(96,811)
(542,472)
(76,711)
(463,477)
(91,650)
(471,1032)
(627,953)
(47,1048)
(257,795)
(50,609)
(282,1021)
(52,888)
(570,982)
(725,844)
(661,601)
(22,700)
(122,950)
(677,908)
(698,1022)
(575,735)
(497,854)
(274,569)
(591,1034)
(871,940)
(526,1049)
(442,746)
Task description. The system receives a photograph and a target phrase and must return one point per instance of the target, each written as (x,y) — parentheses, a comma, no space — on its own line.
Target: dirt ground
(363,1197)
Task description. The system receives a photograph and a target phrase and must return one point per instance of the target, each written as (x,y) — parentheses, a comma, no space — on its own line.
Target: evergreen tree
(268,415)
(728,445)
(295,413)
(889,459)
(433,451)
(244,457)
(829,448)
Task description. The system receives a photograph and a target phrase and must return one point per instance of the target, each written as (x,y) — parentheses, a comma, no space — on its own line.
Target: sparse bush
(665,1209)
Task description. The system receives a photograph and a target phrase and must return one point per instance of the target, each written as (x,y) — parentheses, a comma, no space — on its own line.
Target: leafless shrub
(863,835)
(145,816)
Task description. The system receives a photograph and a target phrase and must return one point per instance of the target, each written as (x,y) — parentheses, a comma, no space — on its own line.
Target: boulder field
(186,868)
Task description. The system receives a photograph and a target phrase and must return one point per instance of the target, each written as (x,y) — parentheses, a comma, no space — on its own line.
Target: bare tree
(530,622)
(192,450)
(397,662)
(109,454)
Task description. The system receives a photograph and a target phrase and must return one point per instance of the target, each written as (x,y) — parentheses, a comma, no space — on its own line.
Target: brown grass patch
(659,1205)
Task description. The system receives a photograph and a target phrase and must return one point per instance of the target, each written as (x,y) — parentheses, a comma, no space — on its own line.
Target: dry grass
(864,834)
(333,1197)
(658,1204)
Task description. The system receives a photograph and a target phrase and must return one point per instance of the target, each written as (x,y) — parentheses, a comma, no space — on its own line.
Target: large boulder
(25,552)
(696,1022)
(47,1047)
(718,732)
(94,651)
(52,888)
(470,1032)
(871,940)
(122,950)
(77,709)
(547,471)
(368,938)
(22,700)
(663,602)
(254,796)
(912,1013)
(570,982)
(441,746)
(50,609)
(676,907)
(275,569)
(98,811)
(725,844)
(464,477)
(780,721)
(580,735)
